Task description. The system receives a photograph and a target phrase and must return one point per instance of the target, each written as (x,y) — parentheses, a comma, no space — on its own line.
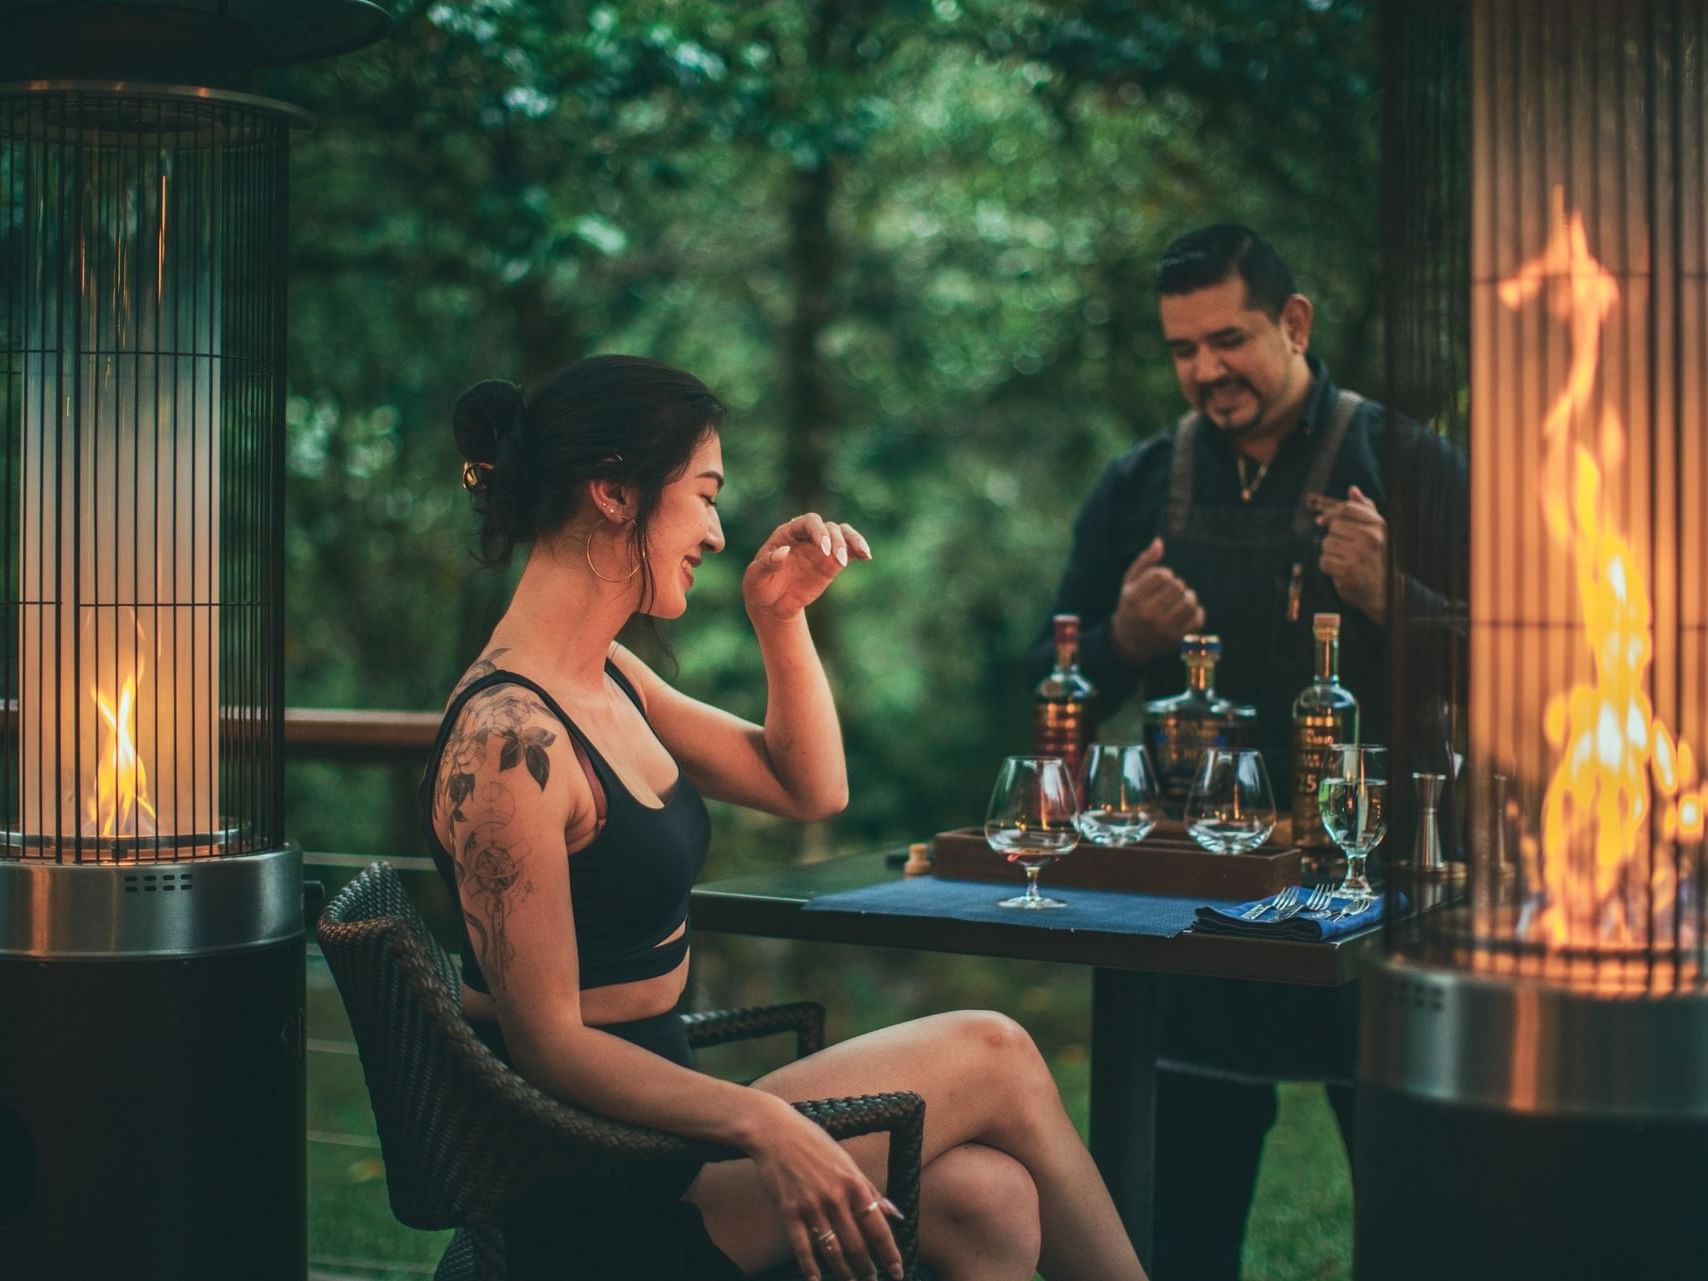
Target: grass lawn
(1301,1222)
(1301,1227)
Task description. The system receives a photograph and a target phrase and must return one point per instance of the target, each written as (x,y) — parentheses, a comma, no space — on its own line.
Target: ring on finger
(824,1240)
(876,1205)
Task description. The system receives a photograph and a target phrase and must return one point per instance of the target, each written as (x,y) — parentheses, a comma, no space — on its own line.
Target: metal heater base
(1480,1195)
(1514,1129)
(152,1104)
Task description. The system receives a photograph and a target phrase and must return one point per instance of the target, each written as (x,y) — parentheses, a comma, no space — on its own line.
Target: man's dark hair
(1208,256)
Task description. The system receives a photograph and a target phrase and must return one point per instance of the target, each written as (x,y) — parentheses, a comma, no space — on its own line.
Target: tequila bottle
(1324,713)
(1179,729)
(1061,724)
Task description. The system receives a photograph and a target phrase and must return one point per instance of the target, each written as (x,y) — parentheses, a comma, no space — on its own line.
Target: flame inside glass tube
(1619,777)
(119,518)
(118,803)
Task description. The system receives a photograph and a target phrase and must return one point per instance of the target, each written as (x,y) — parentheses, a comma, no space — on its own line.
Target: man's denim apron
(1240,560)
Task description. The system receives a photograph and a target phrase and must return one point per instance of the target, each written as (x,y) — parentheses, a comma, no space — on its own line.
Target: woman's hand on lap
(800,559)
(819,1189)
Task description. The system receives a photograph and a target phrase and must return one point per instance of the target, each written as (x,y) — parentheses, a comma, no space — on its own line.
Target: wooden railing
(327,734)
(362,737)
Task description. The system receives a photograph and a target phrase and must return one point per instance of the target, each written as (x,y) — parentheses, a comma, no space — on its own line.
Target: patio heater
(151,924)
(1534,1069)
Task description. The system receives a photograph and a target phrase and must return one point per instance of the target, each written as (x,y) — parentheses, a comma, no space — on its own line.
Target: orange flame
(1611,746)
(120,804)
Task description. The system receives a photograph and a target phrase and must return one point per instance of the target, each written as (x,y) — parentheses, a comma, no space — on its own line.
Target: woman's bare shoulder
(502,737)
(488,663)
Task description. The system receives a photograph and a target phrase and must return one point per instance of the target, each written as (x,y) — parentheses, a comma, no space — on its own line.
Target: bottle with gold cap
(1324,713)
(1179,729)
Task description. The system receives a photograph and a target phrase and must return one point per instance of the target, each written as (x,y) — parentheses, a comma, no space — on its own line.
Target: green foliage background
(910,243)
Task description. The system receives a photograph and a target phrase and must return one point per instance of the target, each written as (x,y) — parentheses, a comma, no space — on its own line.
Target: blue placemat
(1107,911)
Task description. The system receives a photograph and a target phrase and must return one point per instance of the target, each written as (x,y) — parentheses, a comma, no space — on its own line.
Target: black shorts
(640,1231)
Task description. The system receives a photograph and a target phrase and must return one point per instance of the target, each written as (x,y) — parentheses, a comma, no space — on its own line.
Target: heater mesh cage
(1426,249)
(141,366)
(1426,252)
(1546,179)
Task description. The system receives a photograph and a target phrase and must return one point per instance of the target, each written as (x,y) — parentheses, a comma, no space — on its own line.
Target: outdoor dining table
(1124,967)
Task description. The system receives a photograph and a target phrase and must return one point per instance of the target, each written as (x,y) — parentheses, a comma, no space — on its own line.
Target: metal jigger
(1426,851)
(1500,852)
(1503,843)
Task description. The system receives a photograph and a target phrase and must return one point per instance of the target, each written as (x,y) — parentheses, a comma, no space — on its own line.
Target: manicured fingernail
(825,543)
(896,1271)
(890,1209)
(842,555)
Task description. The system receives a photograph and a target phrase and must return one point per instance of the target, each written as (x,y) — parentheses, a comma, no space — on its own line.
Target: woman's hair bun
(483,416)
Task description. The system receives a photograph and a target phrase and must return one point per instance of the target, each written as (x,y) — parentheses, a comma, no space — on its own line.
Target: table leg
(1123,1094)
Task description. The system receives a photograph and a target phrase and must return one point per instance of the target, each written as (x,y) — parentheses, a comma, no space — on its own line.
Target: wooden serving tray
(1168,861)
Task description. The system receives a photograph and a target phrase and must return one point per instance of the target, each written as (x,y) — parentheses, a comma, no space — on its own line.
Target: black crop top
(630,882)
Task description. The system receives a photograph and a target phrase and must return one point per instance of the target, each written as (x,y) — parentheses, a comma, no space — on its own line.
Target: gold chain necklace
(1249,487)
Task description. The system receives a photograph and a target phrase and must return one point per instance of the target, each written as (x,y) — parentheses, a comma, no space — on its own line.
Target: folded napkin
(1310,927)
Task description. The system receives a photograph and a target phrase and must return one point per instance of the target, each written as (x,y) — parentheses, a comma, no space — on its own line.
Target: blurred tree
(909,241)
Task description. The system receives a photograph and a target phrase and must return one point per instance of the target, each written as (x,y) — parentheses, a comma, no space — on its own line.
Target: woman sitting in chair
(564,801)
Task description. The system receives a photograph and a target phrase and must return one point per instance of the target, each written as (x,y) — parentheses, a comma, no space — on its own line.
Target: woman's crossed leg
(1006,1185)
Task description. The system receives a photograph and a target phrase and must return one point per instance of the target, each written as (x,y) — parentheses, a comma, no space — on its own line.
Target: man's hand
(1355,552)
(1155,610)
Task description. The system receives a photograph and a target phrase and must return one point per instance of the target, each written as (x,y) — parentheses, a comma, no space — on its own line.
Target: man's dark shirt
(1127,508)
(1255,1029)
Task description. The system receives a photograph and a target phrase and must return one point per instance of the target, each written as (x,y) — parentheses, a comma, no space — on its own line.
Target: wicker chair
(464,1137)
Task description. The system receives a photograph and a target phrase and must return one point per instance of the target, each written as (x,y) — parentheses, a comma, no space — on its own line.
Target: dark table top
(770,904)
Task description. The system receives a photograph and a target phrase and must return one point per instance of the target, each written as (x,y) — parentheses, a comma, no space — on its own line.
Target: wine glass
(1117,795)
(1352,795)
(1231,809)
(1032,820)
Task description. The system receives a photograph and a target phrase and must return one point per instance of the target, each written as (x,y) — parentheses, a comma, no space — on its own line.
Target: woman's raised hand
(798,562)
(836,1220)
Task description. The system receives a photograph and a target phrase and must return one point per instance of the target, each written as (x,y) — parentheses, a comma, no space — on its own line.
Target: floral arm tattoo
(488,857)
(489,875)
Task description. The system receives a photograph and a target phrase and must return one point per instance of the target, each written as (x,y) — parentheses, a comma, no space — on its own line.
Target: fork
(1280,903)
(1354,908)
(1320,898)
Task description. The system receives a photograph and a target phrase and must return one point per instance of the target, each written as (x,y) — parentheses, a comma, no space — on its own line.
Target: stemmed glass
(1117,795)
(1231,809)
(1032,820)
(1352,794)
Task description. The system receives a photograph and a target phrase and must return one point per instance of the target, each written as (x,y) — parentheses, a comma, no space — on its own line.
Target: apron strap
(1180,474)
(1346,406)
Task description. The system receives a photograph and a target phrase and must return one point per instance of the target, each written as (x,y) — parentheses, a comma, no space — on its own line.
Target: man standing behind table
(1264,505)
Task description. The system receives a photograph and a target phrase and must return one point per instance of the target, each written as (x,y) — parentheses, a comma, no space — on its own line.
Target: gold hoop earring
(587,547)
